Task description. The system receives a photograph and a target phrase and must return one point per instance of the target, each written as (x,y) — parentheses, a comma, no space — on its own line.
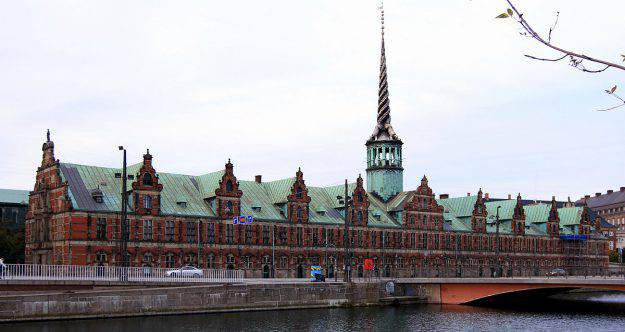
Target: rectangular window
(300,237)
(147,230)
(191,229)
(315,237)
(265,234)
(210,230)
(248,234)
(229,234)
(169,231)
(100,231)
(283,237)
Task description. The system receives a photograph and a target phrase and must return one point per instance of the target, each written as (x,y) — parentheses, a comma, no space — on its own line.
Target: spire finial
(384,109)
(48,135)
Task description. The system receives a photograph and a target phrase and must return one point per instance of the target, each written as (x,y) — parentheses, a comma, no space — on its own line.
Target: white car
(185,272)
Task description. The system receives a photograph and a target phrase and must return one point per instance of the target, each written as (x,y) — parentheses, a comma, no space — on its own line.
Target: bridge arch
(468,293)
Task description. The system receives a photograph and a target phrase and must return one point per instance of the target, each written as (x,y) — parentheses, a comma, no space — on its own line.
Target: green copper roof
(13,196)
(188,195)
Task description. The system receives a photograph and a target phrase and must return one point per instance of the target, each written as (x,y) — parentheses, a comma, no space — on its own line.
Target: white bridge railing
(114,273)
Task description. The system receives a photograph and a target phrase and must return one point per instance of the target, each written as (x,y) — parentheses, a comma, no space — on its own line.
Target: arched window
(147,179)
(170,260)
(229,186)
(360,216)
(229,207)
(479,209)
(299,213)
(359,197)
(147,202)
(298,193)
(424,204)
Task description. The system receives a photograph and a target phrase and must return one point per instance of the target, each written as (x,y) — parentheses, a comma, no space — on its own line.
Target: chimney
(444,196)
(610,191)
(509,196)
(622,188)
(258,178)
(486,196)
(587,196)
(468,194)
(597,194)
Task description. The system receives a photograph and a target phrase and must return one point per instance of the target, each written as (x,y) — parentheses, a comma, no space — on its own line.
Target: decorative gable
(518,217)
(359,207)
(584,222)
(146,189)
(298,200)
(228,194)
(478,219)
(553,222)
(422,211)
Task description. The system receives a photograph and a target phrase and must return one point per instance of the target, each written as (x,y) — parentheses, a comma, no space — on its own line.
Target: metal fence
(114,273)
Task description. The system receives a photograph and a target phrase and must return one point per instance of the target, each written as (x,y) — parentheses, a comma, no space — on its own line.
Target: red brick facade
(55,234)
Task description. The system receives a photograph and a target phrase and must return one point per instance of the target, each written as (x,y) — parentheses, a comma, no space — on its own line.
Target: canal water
(401,318)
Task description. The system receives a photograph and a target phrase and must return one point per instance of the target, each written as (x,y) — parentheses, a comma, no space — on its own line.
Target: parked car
(558,272)
(185,272)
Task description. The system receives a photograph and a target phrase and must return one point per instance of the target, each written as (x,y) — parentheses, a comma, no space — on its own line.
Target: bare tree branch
(519,18)
(611,93)
(553,27)
(543,59)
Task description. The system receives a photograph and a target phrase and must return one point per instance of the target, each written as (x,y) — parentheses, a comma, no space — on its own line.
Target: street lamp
(123,243)
(347,260)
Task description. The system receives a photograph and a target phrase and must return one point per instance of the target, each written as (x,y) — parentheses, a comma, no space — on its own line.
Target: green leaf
(502,15)
(623,55)
(510,13)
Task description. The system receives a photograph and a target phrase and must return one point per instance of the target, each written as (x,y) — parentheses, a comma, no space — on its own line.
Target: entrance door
(331,271)
(360,271)
(266,271)
(300,271)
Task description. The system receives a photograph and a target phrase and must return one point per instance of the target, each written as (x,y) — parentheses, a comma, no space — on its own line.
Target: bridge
(472,290)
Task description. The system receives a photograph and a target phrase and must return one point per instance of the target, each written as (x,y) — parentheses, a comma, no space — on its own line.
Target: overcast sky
(280,84)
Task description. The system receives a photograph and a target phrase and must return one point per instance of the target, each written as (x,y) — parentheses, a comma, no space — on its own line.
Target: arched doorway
(300,271)
(387,271)
(266,272)
(331,271)
(360,271)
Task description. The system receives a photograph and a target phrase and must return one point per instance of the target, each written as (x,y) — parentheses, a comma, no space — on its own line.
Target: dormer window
(97,195)
(359,196)
(182,204)
(479,209)
(147,202)
(147,179)
(360,216)
(298,193)
(299,214)
(229,186)
(229,205)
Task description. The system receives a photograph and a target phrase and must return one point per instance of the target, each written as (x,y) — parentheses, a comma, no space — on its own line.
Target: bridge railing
(112,273)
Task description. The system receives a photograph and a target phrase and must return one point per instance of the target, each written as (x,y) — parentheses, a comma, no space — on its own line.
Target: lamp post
(199,244)
(123,243)
(498,272)
(347,260)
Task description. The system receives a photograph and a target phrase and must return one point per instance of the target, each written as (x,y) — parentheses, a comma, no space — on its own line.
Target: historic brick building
(74,218)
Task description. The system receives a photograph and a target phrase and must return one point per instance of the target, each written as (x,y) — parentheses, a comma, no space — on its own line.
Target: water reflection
(407,318)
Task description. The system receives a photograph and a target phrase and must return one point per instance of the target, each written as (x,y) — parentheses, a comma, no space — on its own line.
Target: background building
(13,208)
(611,207)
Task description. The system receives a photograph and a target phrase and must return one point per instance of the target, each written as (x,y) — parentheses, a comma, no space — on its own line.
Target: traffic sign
(368,264)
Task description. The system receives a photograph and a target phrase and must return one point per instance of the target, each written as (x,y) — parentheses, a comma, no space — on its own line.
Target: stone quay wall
(185,299)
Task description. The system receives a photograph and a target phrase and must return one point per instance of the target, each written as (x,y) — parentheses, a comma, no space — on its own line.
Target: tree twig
(554,25)
(548,43)
(543,59)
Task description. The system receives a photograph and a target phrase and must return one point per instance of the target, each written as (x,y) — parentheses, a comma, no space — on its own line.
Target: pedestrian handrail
(114,273)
